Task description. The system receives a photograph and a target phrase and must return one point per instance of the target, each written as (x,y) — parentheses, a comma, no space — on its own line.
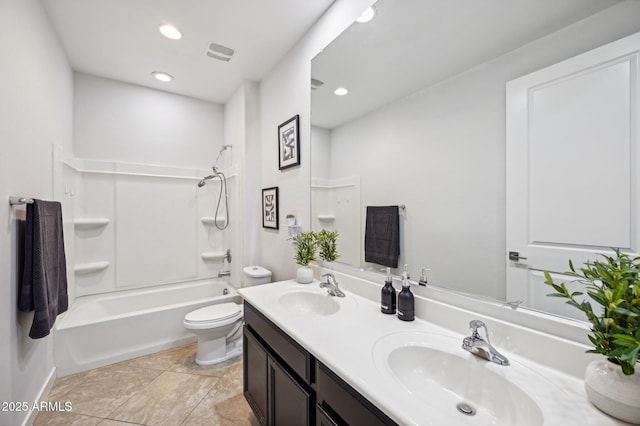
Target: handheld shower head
(204,179)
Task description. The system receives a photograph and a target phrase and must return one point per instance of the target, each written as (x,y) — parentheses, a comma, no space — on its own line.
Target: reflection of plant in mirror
(615,284)
(327,241)
(306,246)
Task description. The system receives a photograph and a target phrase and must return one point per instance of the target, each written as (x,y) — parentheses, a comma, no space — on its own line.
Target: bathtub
(102,329)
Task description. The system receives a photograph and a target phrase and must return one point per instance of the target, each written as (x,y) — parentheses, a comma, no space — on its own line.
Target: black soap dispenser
(406,304)
(388,295)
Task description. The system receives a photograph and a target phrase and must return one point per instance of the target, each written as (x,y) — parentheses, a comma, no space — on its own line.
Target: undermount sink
(435,370)
(307,302)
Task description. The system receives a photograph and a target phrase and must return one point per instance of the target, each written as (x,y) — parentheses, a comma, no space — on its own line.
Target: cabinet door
(289,403)
(255,375)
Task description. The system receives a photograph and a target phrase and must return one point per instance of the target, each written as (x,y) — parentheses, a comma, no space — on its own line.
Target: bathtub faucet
(224,274)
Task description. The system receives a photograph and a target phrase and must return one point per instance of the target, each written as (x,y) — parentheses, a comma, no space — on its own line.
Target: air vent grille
(220,52)
(315,84)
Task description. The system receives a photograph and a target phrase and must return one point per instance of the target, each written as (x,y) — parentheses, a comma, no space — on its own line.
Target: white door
(572,168)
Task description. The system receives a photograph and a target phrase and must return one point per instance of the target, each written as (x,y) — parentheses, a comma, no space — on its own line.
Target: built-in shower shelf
(211,221)
(90,268)
(326,217)
(93,223)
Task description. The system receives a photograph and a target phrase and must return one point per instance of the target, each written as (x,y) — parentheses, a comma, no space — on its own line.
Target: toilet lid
(211,313)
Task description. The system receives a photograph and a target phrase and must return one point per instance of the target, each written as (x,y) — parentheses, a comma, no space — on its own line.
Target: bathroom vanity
(285,384)
(311,358)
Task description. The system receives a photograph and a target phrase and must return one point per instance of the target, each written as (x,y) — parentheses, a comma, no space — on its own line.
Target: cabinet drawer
(289,352)
(344,403)
(323,418)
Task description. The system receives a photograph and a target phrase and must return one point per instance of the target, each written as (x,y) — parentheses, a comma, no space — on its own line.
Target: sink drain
(466,409)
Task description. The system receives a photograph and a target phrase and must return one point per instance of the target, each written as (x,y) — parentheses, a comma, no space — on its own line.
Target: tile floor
(165,388)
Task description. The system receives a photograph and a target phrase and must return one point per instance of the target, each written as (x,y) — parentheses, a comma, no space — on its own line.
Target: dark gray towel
(44,281)
(382,236)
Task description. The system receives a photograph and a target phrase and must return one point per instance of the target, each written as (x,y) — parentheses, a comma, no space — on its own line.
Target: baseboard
(42,395)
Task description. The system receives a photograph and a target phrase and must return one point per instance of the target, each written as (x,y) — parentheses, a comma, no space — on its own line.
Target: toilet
(219,327)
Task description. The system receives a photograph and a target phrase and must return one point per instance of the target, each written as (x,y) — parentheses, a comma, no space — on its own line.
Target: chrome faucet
(481,346)
(331,285)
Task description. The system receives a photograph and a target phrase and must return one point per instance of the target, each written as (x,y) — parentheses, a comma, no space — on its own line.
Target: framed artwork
(270,208)
(289,143)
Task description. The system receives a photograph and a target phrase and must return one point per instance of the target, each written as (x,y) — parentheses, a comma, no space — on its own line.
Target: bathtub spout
(224,274)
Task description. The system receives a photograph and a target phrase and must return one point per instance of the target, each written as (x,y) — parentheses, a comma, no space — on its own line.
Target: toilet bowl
(219,332)
(219,327)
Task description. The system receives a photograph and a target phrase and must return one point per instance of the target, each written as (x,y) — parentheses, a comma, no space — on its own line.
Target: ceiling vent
(220,52)
(315,84)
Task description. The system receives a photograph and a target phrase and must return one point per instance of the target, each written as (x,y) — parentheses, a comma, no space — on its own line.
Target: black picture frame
(289,143)
(270,208)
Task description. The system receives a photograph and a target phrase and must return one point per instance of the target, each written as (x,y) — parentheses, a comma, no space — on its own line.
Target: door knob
(515,256)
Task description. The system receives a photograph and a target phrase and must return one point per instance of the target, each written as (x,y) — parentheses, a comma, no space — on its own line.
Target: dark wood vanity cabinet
(285,385)
(277,373)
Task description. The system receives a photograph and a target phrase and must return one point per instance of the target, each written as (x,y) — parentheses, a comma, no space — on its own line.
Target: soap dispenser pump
(406,305)
(388,295)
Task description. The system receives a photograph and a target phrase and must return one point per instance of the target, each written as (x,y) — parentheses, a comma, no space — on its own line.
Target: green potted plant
(327,243)
(306,247)
(612,383)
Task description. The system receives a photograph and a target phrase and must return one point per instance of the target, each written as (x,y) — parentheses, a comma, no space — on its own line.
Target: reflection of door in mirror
(572,186)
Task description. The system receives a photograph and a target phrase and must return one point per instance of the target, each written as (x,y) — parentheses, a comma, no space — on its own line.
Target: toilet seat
(213,316)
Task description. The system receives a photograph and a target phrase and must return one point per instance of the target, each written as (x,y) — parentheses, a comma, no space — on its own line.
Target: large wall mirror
(423,125)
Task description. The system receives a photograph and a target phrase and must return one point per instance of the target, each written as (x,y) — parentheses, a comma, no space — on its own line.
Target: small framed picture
(289,143)
(270,208)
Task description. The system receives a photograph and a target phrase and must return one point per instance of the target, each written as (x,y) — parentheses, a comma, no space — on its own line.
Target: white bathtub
(102,329)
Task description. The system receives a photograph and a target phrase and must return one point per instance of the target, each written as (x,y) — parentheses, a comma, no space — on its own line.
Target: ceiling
(413,44)
(119,39)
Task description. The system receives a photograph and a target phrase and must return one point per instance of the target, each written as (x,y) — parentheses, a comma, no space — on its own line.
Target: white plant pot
(612,392)
(304,275)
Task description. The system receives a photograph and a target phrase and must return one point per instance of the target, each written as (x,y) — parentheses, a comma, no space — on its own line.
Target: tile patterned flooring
(165,388)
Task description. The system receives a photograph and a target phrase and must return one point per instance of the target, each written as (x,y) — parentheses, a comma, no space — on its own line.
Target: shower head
(204,179)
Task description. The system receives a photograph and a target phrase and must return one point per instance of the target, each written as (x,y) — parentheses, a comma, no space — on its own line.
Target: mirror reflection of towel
(44,282)
(382,235)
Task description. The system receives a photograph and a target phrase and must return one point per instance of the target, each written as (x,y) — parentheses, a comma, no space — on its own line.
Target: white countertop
(344,341)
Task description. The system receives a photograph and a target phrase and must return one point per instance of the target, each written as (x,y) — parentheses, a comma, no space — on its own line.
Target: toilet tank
(254,275)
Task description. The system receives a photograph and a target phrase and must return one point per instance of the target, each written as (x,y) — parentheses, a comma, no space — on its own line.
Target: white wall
(35,112)
(441,151)
(116,121)
(321,158)
(241,121)
(285,92)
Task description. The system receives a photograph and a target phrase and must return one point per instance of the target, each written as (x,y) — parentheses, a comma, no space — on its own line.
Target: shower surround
(136,227)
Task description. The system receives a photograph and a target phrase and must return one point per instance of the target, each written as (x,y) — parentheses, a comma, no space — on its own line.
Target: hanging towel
(44,280)
(382,236)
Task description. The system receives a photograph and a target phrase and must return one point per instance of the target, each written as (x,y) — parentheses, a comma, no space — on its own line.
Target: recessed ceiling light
(162,76)
(169,31)
(367,15)
(341,91)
